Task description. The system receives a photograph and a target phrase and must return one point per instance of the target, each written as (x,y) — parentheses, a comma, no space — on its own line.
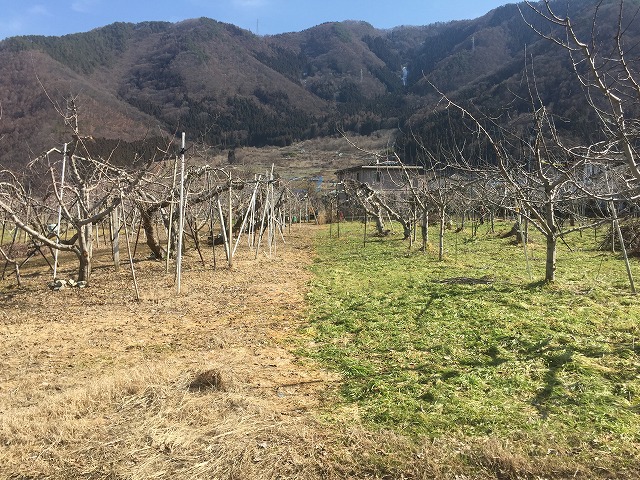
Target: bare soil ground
(204,384)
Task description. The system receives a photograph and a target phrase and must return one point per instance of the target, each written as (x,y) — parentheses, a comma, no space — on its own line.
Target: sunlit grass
(476,345)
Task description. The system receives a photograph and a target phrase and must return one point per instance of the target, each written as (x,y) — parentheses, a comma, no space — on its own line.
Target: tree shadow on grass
(556,358)
(537,285)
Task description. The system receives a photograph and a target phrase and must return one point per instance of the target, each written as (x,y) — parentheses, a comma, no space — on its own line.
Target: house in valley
(384,176)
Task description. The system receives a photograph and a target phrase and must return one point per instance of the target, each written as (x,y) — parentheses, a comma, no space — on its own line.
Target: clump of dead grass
(207,380)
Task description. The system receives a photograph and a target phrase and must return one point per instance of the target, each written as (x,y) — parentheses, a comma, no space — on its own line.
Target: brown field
(310,158)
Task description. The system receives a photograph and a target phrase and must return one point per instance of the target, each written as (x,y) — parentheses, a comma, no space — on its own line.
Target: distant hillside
(230,88)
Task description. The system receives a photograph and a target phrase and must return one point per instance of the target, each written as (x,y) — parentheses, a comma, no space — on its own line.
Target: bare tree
(396,202)
(203,184)
(534,177)
(91,189)
(608,74)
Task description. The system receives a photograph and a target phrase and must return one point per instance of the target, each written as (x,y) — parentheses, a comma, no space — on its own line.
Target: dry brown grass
(95,384)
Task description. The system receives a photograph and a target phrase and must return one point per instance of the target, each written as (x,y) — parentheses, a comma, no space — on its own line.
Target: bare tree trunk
(151,233)
(379,221)
(85,252)
(441,235)
(552,240)
(550,266)
(406,230)
(425,229)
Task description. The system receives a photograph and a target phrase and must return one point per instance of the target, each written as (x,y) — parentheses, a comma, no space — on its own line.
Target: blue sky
(59,17)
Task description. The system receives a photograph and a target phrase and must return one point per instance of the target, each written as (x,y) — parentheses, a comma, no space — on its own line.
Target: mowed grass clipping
(476,346)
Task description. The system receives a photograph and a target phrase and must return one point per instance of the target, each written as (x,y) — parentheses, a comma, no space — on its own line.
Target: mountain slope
(230,87)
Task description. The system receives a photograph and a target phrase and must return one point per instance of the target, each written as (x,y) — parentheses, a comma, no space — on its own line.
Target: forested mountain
(230,87)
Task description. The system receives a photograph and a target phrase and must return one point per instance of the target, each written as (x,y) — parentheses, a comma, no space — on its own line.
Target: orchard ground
(260,371)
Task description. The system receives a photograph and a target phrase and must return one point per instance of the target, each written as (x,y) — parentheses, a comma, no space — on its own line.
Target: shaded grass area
(474,348)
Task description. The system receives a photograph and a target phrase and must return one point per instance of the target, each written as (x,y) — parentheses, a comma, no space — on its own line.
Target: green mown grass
(476,346)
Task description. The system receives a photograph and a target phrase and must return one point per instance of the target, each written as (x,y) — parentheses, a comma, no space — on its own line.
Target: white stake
(244,220)
(171,211)
(180,220)
(223,229)
(230,229)
(58,230)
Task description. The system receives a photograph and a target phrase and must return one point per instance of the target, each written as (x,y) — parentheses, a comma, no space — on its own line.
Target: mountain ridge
(232,88)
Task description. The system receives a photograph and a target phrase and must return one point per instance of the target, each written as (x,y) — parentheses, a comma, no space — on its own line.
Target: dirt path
(97,385)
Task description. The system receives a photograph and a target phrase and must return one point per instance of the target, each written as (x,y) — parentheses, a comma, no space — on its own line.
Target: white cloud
(39,10)
(250,3)
(84,6)
(19,23)
(11,27)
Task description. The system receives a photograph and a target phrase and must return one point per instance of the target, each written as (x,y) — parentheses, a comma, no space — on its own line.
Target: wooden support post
(133,271)
(441,233)
(251,240)
(115,238)
(425,228)
(212,223)
(364,241)
(230,222)
(414,219)
(105,240)
(616,223)
(272,216)
(171,212)
(244,220)
(264,213)
(224,230)
(213,241)
(135,246)
(98,235)
(338,213)
(269,218)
